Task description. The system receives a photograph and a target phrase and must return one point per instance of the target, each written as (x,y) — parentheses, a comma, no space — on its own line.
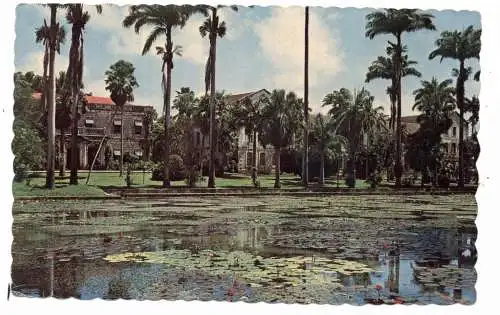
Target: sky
(263,49)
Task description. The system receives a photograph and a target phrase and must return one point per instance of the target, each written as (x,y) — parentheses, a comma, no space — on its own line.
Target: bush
(350,180)
(374,179)
(443,181)
(21,172)
(176,169)
(128,178)
(192,177)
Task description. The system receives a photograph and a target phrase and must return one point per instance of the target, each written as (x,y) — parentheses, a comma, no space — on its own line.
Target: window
(117,126)
(138,127)
(453,148)
(454,131)
(138,153)
(89,123)
(116,154)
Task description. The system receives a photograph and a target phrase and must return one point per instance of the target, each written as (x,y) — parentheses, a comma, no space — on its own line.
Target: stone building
(102,120)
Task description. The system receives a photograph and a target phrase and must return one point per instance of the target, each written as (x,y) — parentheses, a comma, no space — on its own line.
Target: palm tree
(213,28)
(459,46)
(354,115)
(78,18)
(472,106)
(120,82)
(281,118)
(384,68)
(164,19)
(325,142)
(436,102)
(248,114)
(305,158)
(42,35)
(50,88)
(396,22)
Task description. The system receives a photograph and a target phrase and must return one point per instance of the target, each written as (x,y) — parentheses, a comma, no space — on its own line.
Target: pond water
(339,249)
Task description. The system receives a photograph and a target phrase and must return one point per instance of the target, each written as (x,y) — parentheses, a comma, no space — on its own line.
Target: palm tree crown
(120,82)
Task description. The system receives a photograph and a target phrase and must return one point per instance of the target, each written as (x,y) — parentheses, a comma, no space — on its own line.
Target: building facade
(265,155)
(101,122)
(449,140)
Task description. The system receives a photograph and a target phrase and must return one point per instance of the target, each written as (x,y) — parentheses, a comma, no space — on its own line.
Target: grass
(100,180)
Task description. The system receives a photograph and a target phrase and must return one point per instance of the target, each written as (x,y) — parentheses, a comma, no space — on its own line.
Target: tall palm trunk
(51,117)
(460,103)
(62,154)
(44,78)
(121,141)
(305,178)
(398,169)
(322,169)
(202,153)
(254,158)
(76,33)
(168,83)
(213,51)
(277,183)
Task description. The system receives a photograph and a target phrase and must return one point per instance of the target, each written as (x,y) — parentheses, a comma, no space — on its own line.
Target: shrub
(192,177)
(374,179)
(20,172)
(443,181)
(128,177)
(350,180)
(176,169)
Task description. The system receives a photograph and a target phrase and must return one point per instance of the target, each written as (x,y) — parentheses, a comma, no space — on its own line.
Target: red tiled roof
(100,100)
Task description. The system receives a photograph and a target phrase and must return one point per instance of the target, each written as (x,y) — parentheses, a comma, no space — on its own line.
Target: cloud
(124,41)
(34,62)
(96,87)
(281,42)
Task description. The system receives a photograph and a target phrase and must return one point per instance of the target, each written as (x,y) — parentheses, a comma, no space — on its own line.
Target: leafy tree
(397,22)
(120,82)
(459,45)
(185,103)
(27,145)
(281,118)
(164,19)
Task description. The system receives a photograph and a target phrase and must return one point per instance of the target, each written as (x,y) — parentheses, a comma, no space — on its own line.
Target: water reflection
(58,265)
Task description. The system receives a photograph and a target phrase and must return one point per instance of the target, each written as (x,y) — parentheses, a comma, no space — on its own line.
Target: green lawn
(99,180)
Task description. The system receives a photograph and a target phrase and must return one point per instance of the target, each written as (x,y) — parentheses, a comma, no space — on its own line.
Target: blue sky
(262,49)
